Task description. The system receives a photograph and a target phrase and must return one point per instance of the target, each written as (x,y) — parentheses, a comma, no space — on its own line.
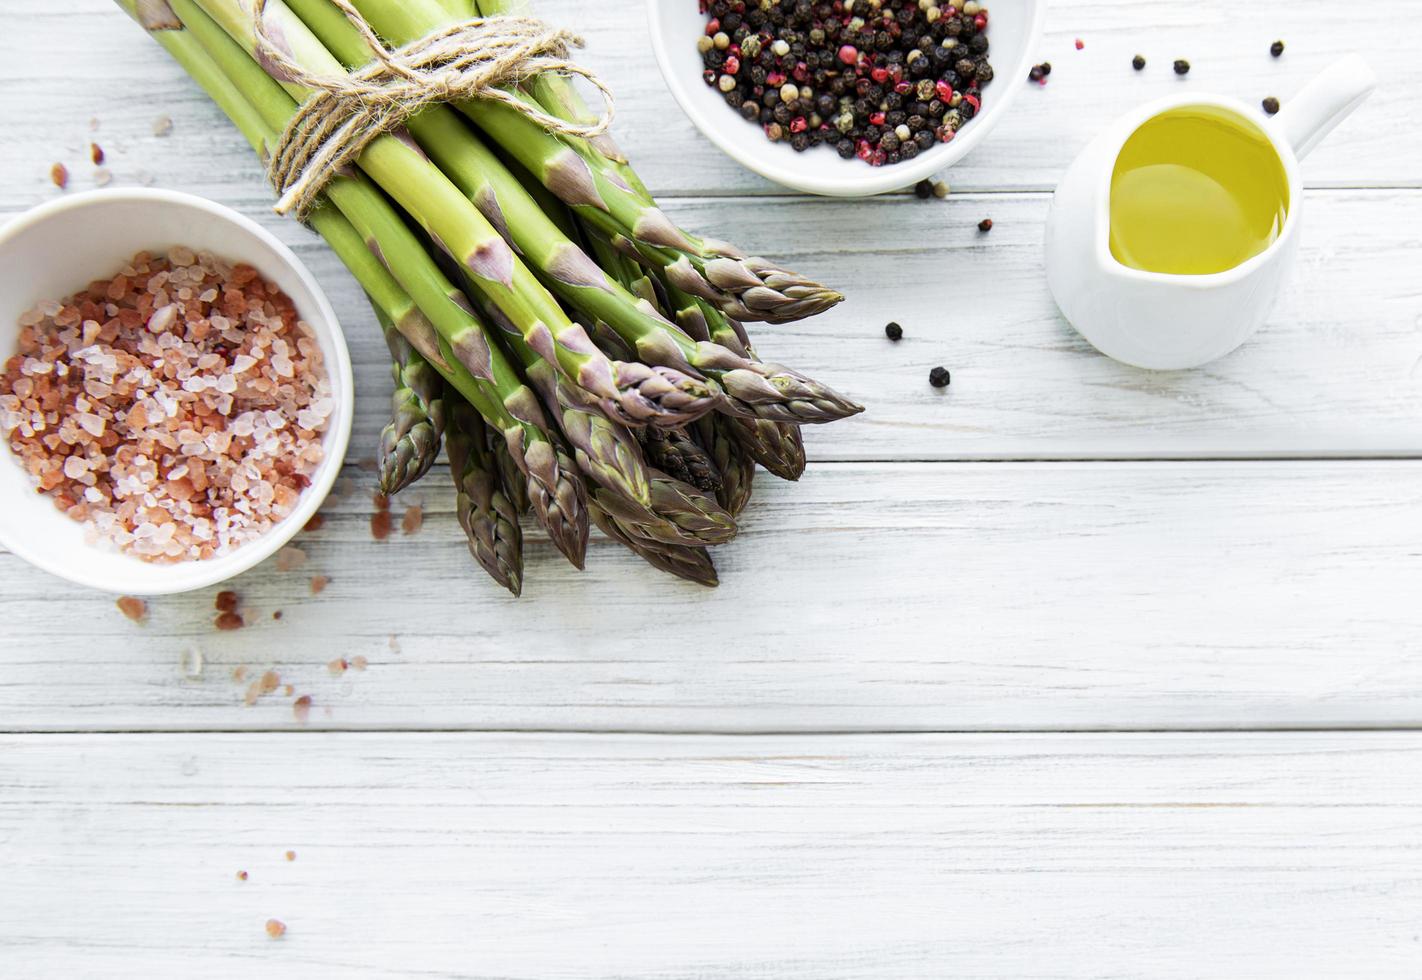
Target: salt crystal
(163,319)
(92,424)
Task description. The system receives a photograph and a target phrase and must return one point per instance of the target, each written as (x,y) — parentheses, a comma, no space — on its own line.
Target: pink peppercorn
(1080,44)
(880,75)
(980,21)
(775,79)
(713,27)
(798,124)
(945,91)
(973,101)
(903,88)
(848,54)
(876,119)
(733,65)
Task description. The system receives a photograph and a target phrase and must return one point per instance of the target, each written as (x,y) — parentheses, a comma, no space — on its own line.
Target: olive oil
(1196,191)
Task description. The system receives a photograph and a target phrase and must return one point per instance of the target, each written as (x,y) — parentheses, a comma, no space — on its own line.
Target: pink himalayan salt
(148,406)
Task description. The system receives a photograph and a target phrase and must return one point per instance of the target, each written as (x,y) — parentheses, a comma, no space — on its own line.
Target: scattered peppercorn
(985,225)
(941,188)
(1277,48)
(1182,67)
(939,377)
(276,928)
(1271,105)
(1080,44)
(1138,62)
(894,332)
(872,81)
(924,189)
(59,174)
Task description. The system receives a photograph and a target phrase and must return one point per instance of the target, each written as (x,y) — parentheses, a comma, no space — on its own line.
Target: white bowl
(1014,27)
(56,250)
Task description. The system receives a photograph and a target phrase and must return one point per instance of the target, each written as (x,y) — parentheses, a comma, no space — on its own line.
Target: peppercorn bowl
(1012,31)
(56,249)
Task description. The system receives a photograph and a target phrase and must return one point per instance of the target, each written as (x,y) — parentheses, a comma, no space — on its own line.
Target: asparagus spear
(677,454)
(411,440)
(557,95)
(777,445)
(680,513)
(482,504)
(756,287)
(451,344)
(688,562)
(735,465)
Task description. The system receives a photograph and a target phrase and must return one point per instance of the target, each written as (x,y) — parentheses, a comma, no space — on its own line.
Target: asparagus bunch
(579,355)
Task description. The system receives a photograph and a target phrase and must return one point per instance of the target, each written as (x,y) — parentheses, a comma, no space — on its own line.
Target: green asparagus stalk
(756,288)
(482,504)
(451,344)
(684,561)
(680,513)
(733,463)
(411,440)
(677,454)
(779,446)
(515,486)
(558,97)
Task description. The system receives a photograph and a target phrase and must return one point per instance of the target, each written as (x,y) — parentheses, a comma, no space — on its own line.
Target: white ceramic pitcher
(1169,322)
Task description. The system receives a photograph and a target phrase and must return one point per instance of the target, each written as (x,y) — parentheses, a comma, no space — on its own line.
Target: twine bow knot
(483,58)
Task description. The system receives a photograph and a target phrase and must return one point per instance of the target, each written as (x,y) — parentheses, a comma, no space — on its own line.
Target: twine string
(483,58)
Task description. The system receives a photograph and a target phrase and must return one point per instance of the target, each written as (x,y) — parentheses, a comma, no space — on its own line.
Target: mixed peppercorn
(881,80)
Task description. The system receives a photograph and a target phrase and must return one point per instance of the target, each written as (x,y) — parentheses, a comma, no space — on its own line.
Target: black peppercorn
(924,189)
(1271,105)
(1182,67)
(939,377)
(985,225)
(1138,62)
(894,332)
(1277,48)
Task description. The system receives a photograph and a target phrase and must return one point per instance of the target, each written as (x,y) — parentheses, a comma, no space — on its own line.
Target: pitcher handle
(1325,102)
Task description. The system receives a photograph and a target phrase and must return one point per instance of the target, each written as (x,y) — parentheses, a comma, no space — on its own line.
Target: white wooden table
(1070,670)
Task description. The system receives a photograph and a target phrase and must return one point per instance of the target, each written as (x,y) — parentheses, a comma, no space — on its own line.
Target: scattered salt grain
(276,928)
(103,177)
(413,519)
(162,126)
(318,584)
(301,708)
(134,609)
(192,663)
(290,558)
(59,174)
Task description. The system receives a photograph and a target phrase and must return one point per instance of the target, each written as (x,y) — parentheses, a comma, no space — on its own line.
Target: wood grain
(869,597)
(835,857)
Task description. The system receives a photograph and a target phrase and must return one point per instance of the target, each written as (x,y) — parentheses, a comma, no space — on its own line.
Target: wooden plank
(115,74)
(791,857)
(868,597)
